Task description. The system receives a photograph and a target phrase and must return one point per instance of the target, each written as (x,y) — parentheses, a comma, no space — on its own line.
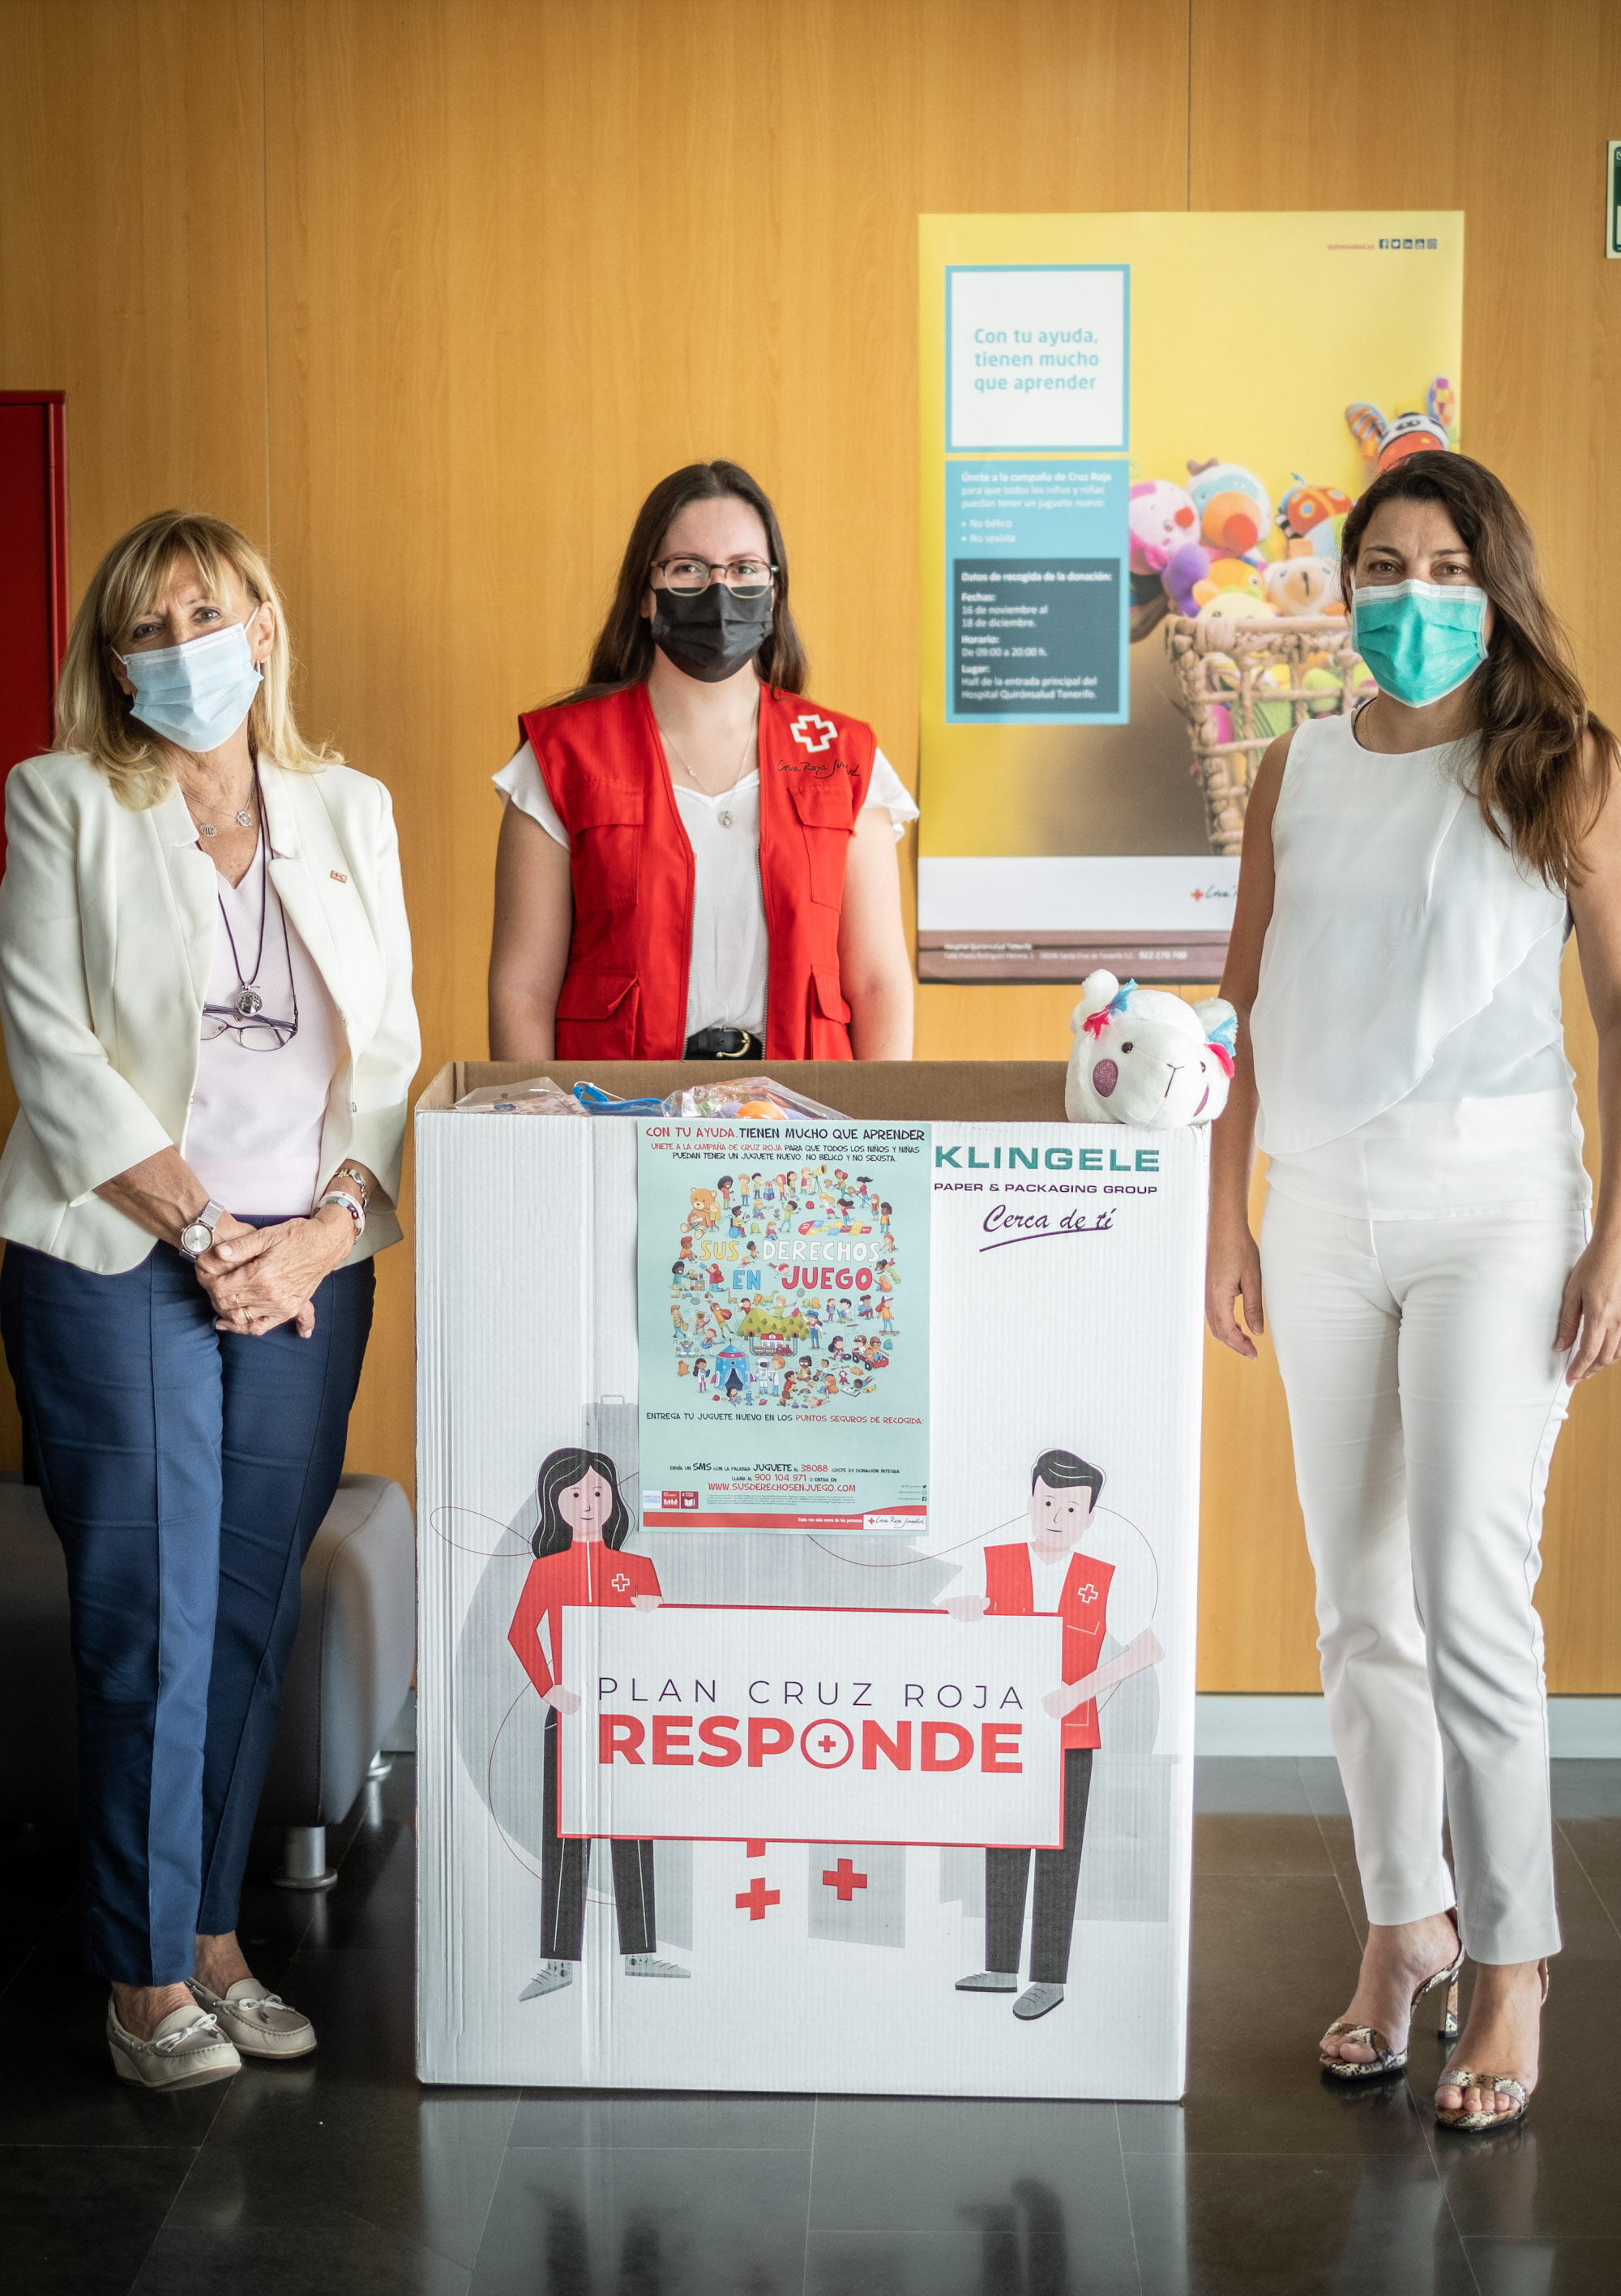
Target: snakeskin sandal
(1459,2077)
(1387,2060)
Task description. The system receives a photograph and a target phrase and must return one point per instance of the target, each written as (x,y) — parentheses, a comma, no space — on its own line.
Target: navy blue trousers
(185,1472)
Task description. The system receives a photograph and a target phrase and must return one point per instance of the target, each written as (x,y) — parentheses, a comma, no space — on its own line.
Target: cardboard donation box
(808,1516)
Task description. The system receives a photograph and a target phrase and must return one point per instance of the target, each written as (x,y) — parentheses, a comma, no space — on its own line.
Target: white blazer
(107,925)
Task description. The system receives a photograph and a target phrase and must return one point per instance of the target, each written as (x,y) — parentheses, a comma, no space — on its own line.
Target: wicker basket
(1241,684)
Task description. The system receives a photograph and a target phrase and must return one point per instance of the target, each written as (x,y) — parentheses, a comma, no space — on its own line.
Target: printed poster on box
(783,1291)
(862,1806)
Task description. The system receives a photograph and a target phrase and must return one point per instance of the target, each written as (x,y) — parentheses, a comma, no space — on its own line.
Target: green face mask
(1422,640)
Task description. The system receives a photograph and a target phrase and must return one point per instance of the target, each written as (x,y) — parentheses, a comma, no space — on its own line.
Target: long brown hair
(623,653)
(1540,792)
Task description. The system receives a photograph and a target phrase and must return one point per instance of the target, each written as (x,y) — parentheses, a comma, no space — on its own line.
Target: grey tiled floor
(343,2176)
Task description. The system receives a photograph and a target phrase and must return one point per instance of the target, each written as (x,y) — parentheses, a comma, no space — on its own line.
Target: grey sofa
(346,1681)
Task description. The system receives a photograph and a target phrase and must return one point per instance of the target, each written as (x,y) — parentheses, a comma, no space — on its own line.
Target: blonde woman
(205,981)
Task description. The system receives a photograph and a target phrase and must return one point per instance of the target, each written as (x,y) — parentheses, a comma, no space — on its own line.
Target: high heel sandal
(1386,2059)
(1459,2077)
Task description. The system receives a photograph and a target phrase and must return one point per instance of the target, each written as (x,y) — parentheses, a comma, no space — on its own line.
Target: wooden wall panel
(1504,111)
(132,232)
(426,295)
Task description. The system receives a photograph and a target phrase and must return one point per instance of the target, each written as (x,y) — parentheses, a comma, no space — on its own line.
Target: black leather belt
(724,1044)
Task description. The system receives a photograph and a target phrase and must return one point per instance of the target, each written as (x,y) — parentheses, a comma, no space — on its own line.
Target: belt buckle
(742,1051)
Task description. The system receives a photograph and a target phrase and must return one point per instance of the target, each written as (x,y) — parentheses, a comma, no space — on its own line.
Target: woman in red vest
(696,860)
(579,1564)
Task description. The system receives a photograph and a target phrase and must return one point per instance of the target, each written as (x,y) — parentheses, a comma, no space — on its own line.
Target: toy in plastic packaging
(594,1102)
(757,1099)
(537,1096)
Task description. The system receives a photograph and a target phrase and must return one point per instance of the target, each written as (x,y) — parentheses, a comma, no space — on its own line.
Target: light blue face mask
(196,695)
(1422,640)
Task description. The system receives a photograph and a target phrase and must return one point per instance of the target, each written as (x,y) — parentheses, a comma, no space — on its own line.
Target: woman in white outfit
(1433,1282)
(205,981)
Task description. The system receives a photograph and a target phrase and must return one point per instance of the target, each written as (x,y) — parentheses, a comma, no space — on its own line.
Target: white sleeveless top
(1407,1034)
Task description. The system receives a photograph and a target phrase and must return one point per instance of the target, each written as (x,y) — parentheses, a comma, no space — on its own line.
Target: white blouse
(253,1135)
(1407,1033)
(726,985)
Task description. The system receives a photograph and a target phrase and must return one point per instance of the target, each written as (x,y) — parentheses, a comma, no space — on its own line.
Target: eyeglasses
(745,577)
(255,1032)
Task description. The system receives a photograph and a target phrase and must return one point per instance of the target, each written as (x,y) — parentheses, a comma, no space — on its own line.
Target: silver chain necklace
(243,815)
(724,816)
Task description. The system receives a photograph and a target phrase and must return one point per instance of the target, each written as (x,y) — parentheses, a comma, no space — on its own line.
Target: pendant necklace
(247,1000)
(243,819)
(724,816)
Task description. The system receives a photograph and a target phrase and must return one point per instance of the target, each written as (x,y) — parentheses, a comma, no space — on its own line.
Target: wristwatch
(197,1236)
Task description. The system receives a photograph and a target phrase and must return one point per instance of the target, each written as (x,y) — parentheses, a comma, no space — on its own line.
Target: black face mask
(709,633)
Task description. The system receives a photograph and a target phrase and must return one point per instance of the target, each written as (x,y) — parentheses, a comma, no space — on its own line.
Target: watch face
(195,1239)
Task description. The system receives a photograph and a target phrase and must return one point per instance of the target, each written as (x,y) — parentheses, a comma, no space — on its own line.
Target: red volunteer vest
(624,995)
(1083,1603)
(583,1574)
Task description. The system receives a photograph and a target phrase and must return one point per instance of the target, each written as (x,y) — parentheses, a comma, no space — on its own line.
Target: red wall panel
(33,571)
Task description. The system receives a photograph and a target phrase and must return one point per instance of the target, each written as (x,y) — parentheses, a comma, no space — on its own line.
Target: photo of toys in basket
(784,1290)
(1251,600)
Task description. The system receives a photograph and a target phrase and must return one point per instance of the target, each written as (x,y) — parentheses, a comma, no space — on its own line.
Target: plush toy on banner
(1162,522)
(1234,508)
(1183,572)
(1311,518)
(1302,584)
(1161,517)
(1431,430)
(1229,574)
(1144,1057)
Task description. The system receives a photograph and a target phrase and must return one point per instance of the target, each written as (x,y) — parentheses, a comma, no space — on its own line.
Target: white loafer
(186,2048)
(260,2021)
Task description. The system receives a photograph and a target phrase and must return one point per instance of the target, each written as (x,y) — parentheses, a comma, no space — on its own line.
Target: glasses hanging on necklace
(244,1016)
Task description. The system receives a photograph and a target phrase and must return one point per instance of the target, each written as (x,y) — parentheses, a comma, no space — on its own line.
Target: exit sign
(1612,202)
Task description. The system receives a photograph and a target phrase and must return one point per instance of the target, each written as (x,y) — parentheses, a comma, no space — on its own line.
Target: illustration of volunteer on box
(1106,1584)
(579,1561)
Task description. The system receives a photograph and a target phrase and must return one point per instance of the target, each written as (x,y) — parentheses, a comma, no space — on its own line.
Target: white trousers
(1424,1399)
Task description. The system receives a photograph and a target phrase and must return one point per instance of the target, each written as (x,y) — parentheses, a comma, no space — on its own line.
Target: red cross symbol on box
(845,1879)
(757,1897)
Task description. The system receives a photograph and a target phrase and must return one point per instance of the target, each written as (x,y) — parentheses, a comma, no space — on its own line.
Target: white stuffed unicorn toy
(1143,1057)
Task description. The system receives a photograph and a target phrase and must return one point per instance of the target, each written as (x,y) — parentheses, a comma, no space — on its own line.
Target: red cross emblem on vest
(618,1582)
(1087,1593)
(813,733)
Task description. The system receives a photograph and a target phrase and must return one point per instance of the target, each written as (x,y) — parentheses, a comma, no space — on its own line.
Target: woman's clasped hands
(259,1278)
